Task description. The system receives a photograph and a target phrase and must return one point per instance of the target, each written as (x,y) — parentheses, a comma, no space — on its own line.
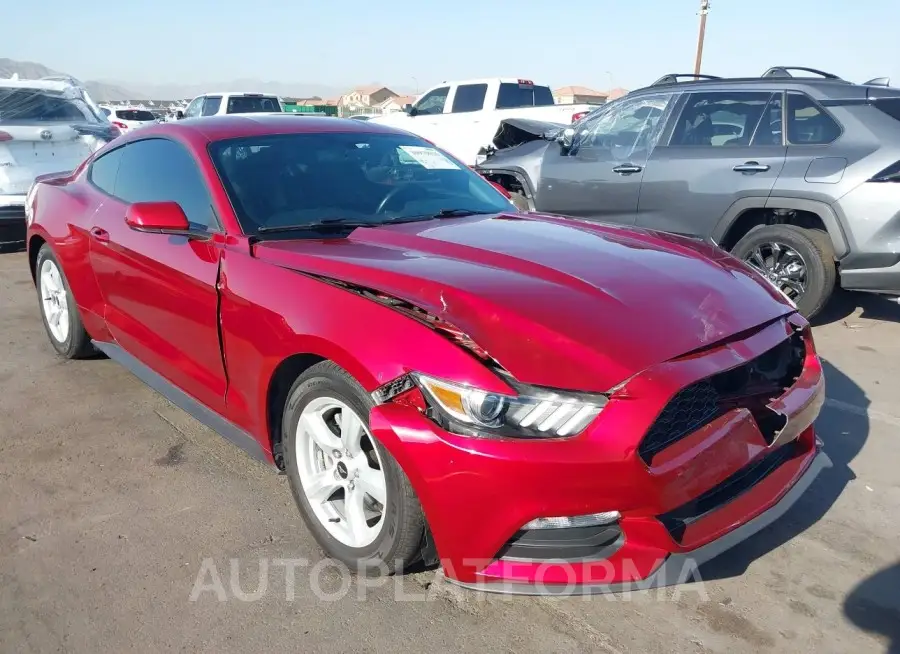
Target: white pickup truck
(463,117)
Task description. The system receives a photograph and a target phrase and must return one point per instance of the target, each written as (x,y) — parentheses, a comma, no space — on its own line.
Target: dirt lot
(121,519)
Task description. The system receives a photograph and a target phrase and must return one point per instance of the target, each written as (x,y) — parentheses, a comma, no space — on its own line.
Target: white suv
(128,118)
(47,126)
(219,104)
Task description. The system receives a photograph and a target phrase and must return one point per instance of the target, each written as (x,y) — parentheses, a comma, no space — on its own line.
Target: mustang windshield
(297,179)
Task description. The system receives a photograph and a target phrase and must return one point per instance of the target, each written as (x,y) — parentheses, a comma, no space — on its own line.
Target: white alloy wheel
(54,301)
(341,472)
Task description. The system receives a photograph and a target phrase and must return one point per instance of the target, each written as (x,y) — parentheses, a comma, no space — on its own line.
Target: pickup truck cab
(220,104)
(463,117)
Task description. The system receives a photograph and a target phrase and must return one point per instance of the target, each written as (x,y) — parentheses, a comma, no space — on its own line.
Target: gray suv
(796,172)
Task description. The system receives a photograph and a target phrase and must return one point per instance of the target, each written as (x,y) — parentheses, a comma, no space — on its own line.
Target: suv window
(511,96)
(807,123)
(624,127)
(159,170)
(193,109)
(720,119)
(890,106)
(104,170)
(469,97)
(769,131)
(211,105)
(433,102)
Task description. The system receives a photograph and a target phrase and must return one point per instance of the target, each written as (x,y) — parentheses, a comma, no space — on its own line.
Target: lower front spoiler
(677,568)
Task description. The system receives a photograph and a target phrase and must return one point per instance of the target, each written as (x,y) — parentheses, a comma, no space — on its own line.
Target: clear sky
(596,43)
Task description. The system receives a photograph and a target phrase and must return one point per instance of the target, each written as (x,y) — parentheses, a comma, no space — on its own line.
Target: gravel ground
(125,526)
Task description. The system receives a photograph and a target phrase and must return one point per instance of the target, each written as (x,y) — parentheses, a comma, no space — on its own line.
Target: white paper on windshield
(429,157)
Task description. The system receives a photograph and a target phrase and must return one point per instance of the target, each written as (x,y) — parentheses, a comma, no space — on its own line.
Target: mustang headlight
(533,413)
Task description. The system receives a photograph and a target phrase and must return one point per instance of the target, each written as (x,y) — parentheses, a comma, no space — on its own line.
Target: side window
(720,119)
(432,102)
(159,170)
(632,126)
(193,109)
(809,124)
(104,170)
(769,131)
(211,106)
(469,97)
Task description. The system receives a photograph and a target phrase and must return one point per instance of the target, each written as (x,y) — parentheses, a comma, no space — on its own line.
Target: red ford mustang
(535,402)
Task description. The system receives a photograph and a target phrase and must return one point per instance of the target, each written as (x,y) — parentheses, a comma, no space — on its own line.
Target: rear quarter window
(808,123)
(105,169)
(890,106)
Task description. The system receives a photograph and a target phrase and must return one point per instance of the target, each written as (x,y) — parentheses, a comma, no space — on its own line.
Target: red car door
(159,291)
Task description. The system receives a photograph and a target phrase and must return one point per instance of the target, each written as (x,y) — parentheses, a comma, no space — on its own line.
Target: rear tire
(812,246)
(323,457)
(59,312)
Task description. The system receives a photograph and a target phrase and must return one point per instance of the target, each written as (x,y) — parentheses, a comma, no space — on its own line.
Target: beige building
(578,95)
(396,103)
(367,96)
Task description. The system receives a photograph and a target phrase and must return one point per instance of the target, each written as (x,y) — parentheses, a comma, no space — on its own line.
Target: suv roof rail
(785,71)
(878,81)
(672,78)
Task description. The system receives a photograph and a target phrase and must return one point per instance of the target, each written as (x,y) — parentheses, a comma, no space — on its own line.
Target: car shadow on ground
(843,435)
(874,606)
(844,304)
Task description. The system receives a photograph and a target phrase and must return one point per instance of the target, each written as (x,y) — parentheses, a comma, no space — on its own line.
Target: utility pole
(704,10)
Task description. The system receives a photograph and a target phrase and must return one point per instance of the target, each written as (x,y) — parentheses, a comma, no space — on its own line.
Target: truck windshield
(512,96)
(252,104)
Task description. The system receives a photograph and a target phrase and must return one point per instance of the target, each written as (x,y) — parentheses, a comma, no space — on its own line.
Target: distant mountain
(100,91)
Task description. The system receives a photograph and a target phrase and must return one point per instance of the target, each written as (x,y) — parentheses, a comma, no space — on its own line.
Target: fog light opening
(563,522)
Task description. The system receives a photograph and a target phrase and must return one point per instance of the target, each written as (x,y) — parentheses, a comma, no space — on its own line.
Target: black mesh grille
(11,213)
(12,227)
(751,385)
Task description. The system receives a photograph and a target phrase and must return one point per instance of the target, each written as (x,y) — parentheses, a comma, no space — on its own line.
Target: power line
(704,10)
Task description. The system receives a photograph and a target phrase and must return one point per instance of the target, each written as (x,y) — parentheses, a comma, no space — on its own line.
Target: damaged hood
(556,302)
(515,131)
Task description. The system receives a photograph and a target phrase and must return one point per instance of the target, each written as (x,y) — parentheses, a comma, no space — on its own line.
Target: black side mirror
(179,114)
(411,110)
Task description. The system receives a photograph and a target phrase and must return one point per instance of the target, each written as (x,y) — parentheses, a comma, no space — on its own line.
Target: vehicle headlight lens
(533,413)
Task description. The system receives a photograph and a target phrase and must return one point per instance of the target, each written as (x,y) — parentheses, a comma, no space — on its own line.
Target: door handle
(100,234)
(627,169)
(750,167)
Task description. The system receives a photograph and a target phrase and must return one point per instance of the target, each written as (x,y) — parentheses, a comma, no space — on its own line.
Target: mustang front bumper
(680,503)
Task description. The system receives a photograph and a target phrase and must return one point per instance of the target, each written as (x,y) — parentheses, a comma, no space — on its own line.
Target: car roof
(249,93)
(218,128)
(818,88)
(37,84)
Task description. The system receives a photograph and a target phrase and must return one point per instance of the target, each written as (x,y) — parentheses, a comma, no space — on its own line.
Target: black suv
(796,172)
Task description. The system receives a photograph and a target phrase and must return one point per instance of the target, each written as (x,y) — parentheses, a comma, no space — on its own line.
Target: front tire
(799,261)
(59,312)
(352,494)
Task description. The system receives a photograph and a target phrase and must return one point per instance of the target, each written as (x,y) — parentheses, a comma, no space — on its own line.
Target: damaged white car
(46,126)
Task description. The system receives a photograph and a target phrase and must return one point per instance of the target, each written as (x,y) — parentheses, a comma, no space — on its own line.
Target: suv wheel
(798,261)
